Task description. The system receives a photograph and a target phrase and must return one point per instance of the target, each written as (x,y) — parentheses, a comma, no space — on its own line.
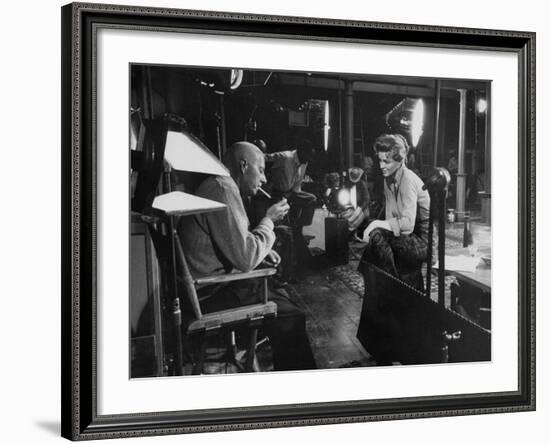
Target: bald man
(222,241)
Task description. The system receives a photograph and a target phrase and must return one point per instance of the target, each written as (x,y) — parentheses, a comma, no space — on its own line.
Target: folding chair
(204,325)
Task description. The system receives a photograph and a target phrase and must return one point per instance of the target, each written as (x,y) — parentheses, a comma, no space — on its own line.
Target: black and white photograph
(284,220)
(274,221)
(270,222)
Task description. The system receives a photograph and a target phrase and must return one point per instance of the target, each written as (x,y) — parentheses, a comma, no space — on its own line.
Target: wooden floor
(332,312)
(332,297)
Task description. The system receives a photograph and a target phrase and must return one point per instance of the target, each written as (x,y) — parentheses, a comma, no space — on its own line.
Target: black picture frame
(79,209)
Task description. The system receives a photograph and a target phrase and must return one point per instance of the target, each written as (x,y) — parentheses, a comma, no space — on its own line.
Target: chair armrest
(234,316)
(262,272)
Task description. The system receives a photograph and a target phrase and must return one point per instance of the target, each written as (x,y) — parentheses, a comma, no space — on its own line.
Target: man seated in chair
(399,244)
(288,172)
(222,241)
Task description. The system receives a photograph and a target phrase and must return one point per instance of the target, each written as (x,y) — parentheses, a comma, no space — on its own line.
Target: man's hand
(373,226)
(272,258)
(277,211)
(355,218)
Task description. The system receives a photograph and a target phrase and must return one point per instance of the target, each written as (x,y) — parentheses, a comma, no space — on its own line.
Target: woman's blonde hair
(395,144)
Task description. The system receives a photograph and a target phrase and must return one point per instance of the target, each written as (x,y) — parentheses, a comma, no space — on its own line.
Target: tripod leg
(251,351)
(198,365)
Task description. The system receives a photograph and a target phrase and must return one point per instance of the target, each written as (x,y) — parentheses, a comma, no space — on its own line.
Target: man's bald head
(246,164)
(238,152)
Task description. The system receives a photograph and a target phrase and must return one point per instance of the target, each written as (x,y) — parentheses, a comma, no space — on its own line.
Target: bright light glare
(236,78)
(481,105)
(353,196)
(417,123)
(133,138)
(343,197)
(326,124)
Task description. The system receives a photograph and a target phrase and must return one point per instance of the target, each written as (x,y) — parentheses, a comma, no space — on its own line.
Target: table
(482,277)
(472,296)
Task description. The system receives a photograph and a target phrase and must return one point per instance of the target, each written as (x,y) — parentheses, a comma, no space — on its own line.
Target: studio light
(407,118)
(344,197)
(417,122)
(326,122)
(481,105)
(161,147)
(236,78)
(339,196)
(220,80)
(319,118)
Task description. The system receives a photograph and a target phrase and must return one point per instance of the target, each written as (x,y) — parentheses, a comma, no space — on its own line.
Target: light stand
(336,227)
(437,185)
(178,151)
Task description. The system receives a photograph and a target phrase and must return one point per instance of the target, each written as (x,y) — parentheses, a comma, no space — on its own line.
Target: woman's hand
(373,226)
